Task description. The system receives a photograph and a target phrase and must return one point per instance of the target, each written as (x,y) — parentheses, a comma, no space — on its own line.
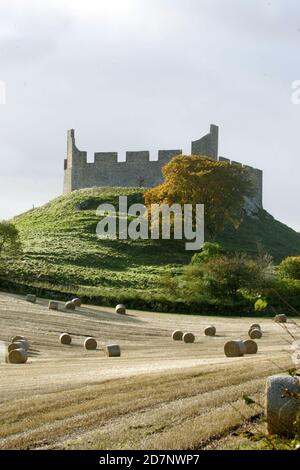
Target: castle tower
(74,164)
(207,145)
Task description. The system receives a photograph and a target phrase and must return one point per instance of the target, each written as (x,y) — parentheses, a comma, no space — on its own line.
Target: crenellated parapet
(138,170)
(106,170)
(77,158)
(106,157)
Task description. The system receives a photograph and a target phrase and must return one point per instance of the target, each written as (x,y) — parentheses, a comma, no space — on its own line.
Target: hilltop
(62,253)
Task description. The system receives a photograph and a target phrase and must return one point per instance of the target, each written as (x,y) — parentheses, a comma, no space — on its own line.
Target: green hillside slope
(61,251)
(263,234)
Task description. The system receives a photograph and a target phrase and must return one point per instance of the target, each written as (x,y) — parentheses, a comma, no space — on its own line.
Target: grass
(61,249)
(263,234)
(62,253)
(136,413)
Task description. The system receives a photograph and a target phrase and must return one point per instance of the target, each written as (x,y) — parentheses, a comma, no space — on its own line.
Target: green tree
(290,268)
(220,186)
(10,244)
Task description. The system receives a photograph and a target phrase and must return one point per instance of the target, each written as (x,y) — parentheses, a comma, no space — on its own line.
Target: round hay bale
(235,348)
(90,343)
(251,346)
(77,302)
(121,309)
(17,345)
(255,326)
(70,306)
(177,335)
(65,338)
(255,333)
(17,339)
(17,356)
(282,318)
(282,408)
(113,350)
(188,338)
(53,305)
(210,330)
(31,298)
(24,344)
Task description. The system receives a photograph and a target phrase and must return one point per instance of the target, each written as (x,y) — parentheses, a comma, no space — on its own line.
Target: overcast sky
(144,75)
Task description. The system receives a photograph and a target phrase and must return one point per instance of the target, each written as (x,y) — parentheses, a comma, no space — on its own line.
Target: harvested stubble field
(160,394)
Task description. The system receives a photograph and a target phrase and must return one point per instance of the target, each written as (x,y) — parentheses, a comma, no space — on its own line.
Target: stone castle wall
(137,170)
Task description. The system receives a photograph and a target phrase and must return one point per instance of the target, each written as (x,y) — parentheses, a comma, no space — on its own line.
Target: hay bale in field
(65,338)
(70,306)
(17,345)
(282,407)
(210,330)
(255,326)
(22,344)
(121,309)
(177,335)
(255,333)
(113,350)
(31,298)
(90,343)
(281,318)
(188,337)
(53,305)
(251,346)
(77,302)
(17,356)
(22,339)
(235,348)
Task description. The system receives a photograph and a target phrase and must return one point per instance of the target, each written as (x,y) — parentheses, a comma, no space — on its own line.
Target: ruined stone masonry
(138,170)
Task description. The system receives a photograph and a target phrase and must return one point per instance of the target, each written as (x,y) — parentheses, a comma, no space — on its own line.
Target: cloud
(29,32)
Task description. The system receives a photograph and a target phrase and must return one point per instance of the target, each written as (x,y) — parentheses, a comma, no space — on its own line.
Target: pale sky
(144,75)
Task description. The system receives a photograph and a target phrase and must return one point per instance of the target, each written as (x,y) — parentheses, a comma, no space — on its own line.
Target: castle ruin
(138,170)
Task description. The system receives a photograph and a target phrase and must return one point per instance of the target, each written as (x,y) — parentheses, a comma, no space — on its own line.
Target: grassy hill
(62,253)
(262,234)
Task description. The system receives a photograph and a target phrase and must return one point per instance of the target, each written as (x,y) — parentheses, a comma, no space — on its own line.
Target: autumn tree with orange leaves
(220,186)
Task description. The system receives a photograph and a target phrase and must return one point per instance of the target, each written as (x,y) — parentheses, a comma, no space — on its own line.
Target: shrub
(209,251)
(224,276)
(290,268)
(10,244)
(285,293)
(260,305)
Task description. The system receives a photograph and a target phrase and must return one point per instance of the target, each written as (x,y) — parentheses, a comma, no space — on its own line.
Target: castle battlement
(138,170)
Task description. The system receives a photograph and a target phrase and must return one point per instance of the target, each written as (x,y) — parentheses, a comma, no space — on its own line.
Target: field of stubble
(159,395)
